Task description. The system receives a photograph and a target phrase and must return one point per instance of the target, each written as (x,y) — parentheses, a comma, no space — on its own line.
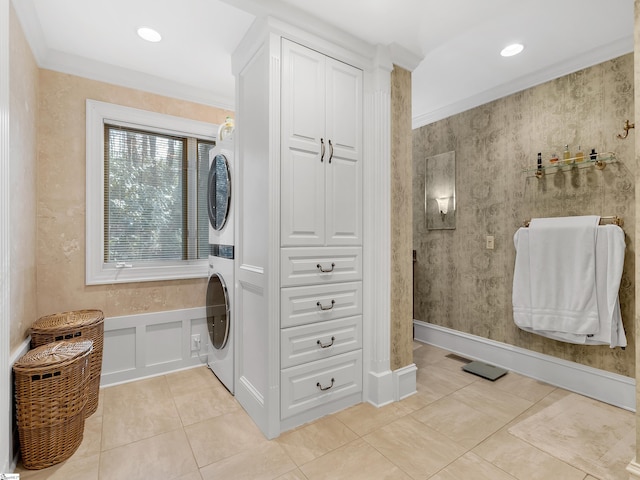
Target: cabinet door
(302,165)
(344,166)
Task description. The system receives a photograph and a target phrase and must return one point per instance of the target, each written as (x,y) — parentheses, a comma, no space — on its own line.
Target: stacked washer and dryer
(220,289)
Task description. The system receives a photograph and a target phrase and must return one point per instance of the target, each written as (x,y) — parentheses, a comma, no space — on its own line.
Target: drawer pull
(326,271)
(325,388)
(322,307)
(326,345)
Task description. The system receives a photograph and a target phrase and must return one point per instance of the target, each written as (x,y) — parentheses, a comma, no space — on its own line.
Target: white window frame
(98,272)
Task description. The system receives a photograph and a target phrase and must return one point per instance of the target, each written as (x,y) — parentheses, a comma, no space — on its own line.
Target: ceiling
(457,42)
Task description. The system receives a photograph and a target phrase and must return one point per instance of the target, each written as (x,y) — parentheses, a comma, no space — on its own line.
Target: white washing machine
(221,286)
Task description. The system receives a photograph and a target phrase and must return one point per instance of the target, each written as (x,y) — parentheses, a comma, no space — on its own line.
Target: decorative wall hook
(627,126)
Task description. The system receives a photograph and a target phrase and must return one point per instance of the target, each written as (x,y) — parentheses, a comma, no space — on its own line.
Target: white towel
(562,264)
(610,249)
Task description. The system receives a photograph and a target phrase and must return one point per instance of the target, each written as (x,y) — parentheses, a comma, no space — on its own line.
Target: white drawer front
(303,266)
(316,341)
(319,303)
(316,383)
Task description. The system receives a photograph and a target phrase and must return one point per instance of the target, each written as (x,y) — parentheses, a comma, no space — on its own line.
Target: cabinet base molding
(404,382)
(320,411)
(380,388)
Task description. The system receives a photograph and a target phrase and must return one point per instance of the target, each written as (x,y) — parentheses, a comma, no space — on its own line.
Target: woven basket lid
(76,318)
(52,354)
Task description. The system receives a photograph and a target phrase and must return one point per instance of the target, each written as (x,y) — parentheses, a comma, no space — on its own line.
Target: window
(146,195)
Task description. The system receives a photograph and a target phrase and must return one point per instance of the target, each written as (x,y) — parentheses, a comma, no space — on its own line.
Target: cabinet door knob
(322,150)
(322,307)
(325,388)
(330,151)
(328,270)
(326,345)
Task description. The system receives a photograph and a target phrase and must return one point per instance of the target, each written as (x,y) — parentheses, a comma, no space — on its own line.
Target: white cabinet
(299,229)
(321,178)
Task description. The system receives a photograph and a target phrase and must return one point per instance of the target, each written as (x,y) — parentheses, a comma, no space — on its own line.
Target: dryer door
(218,314)
(219,191)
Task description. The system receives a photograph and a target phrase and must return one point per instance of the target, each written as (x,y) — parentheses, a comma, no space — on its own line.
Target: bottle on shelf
(566,155)
(579,155)
(540,161)
(554,159)
(593,155)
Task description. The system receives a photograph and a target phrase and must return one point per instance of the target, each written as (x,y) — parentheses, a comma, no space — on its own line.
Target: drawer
(316,341)
(303,266)
(313,384)
(318,303)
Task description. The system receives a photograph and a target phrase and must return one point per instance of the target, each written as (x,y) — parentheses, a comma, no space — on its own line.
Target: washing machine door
(219,191)
(218,312)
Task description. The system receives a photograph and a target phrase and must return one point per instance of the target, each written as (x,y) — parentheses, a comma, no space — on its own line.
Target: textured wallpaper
(460,284)
(401,258)
(23,95)
(61,201)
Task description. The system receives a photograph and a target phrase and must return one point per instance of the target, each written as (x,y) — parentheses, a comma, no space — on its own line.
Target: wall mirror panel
(440,191)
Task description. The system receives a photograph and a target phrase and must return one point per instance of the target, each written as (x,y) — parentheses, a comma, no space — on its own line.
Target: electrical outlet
(195,342)
(490,242)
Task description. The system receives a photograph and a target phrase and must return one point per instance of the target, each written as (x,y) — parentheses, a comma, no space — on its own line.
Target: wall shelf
(599,160)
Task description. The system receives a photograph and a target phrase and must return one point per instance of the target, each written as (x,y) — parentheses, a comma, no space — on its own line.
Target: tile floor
(186,426)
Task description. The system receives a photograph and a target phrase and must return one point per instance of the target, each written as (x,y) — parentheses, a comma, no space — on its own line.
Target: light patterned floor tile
(417,449)
(458,422)
(82,469)
(364,417)
(524,387)
(223,436)
(355,461)
(192,379)
(293,475)
(472,467)
(137,410)
(203,404)
(585,433)
(517,458)
(310,441)
(440,382)
(496,403)
(263,462)
(164,456)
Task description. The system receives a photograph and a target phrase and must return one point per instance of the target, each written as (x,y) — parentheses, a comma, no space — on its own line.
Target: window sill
(109,274)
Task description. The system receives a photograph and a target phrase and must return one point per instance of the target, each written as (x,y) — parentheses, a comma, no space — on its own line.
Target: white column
(5,377)
(378,379)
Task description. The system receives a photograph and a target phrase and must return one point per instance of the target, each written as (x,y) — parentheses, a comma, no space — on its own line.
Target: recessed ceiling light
(149,34)
(512,50)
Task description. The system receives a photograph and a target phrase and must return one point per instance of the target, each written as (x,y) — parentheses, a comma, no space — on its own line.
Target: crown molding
(403,57)
(609,51)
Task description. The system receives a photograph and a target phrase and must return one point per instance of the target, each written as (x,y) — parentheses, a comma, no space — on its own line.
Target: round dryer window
(219,188)
(218,312)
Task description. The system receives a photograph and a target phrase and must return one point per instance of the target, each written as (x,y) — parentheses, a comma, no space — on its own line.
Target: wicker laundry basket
(51,395)
(82,324)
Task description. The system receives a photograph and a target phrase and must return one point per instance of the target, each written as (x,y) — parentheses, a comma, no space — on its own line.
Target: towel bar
(613,220)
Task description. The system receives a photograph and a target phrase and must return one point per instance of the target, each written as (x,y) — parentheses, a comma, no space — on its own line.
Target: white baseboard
(404,382)
(634,469)
(611,388)
(145,345)
(379,388)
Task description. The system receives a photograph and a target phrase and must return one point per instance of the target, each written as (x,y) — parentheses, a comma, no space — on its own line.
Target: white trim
(404,382)
(607,387)
(377,378)
(136,342)
(404,57)
(5,247)
(98,273)
(634,469)
(593,57)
